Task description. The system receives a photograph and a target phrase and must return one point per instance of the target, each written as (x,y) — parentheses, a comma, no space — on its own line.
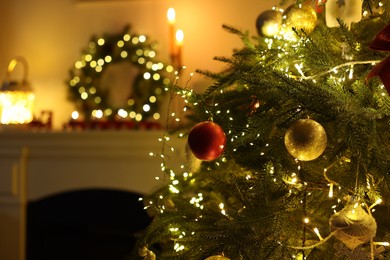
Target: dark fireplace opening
(96,224)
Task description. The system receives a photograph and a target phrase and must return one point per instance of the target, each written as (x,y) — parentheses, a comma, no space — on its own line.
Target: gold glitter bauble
(353,226)
(300,18)
(305,139)
(217,257)
(269,23)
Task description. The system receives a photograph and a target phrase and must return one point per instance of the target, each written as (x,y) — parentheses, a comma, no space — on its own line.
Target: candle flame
(171,15)
(179,36)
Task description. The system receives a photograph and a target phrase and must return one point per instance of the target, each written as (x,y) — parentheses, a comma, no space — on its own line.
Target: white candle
(179,41)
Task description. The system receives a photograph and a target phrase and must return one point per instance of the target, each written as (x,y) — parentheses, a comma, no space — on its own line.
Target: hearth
(94,224)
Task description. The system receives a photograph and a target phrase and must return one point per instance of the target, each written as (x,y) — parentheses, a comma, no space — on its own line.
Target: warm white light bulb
(75,115)
(331,190)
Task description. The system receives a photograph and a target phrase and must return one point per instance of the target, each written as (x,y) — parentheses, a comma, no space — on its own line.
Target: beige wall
(51,33)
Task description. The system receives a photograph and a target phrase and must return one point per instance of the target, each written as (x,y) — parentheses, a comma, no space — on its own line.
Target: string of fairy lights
(338,74)
(198,199)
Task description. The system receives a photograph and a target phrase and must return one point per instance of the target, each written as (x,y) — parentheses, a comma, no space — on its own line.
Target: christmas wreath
(90,89)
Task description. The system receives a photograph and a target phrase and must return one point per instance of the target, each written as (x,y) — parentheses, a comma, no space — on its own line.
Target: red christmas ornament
(382,69)
(382,40)
(206,140)
(319,5)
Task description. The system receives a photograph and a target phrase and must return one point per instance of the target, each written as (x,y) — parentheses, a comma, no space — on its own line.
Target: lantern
(16,97)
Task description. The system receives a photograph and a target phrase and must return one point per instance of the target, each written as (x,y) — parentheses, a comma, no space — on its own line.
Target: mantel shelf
(60,161)
(36,165)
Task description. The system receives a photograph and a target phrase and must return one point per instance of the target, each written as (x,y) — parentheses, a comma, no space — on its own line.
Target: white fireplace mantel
(34,165)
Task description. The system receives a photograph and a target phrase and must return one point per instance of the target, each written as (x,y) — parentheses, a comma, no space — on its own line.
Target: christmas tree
(289,149)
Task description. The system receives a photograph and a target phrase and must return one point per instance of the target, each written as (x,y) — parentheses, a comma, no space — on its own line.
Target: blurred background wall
(51,34)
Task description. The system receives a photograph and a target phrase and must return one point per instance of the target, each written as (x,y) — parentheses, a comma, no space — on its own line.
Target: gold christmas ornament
(217,257)
(305,139)
(146,253)
(269,23)
(300,18)
(150,256)
(353,226)
(143,251)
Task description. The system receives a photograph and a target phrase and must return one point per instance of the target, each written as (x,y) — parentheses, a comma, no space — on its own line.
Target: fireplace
(74,195)
(96,224)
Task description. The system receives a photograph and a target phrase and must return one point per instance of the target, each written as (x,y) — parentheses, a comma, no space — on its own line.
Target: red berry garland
(206,140)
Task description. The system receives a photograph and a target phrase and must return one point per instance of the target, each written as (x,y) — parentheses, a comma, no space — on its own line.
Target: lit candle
(171,15)
(179,41)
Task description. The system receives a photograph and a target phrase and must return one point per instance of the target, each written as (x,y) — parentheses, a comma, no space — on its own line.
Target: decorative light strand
(373,62)
(314,245)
